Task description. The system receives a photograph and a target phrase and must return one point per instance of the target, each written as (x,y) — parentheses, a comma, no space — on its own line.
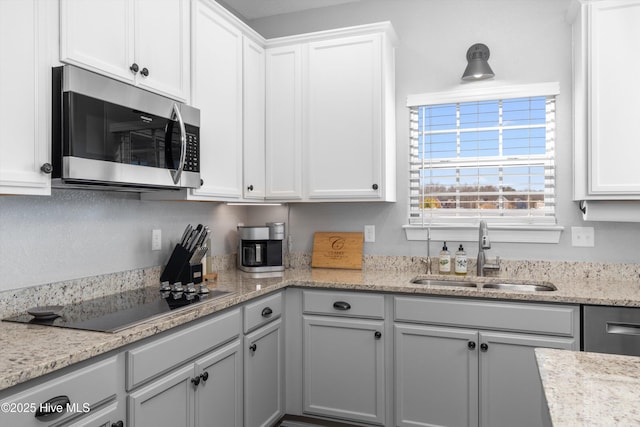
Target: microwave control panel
(192,160)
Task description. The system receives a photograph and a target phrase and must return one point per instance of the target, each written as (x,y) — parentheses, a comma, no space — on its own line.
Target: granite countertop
(590,389)
(30,351)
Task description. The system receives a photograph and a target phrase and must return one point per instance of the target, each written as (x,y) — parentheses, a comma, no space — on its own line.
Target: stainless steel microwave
(112,135)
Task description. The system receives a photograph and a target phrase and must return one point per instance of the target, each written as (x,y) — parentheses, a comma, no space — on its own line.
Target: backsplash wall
(81,233)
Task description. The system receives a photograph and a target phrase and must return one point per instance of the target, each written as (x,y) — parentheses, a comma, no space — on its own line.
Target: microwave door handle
(183,144)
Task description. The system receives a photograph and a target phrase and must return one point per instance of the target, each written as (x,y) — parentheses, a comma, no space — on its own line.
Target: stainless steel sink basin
(436,282)
(525,287)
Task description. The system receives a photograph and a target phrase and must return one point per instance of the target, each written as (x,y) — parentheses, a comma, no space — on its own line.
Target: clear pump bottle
(444,265)
(461,262)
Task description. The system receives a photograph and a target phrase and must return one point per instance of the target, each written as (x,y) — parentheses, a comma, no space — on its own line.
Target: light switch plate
(583,237)
(369,233)
(156,240)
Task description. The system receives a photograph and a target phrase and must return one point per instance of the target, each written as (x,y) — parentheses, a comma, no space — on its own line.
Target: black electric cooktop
(112,313)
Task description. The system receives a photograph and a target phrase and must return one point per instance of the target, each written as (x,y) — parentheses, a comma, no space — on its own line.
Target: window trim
(466,231)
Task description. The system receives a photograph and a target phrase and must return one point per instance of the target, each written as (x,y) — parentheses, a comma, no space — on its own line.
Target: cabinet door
(511,392)
(25,97)
(254,120)
(343,118)
(108,416)
(264,376)
(436,374)
(98,35)
(343,372)
(219,393)
(162,46)
(284,123)
(165,402)
(613,102)
(217,92)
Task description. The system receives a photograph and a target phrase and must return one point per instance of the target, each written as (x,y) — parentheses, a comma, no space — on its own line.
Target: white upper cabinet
(331,115)
(606,104)
(284,123)
(345,119)
(143,42)
(217,92)
(254,120)
(25,100)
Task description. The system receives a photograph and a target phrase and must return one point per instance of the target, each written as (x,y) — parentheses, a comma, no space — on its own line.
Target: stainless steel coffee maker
(260,248)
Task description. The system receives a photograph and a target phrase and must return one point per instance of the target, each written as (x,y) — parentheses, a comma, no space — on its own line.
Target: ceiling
(252,9)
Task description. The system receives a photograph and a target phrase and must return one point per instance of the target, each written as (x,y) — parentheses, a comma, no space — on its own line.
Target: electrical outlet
(156,239)
(369,233)
(582,237)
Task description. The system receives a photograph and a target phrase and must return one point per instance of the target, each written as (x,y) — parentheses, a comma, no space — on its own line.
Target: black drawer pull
(484,346)
(266,312)
(341,305)
(378,335)
(52,408)
(253,347)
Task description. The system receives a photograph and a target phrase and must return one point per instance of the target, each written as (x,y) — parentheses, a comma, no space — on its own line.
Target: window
(488,155)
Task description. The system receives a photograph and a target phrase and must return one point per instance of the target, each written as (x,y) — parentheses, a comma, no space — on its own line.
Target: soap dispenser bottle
(445,260)
(461,262)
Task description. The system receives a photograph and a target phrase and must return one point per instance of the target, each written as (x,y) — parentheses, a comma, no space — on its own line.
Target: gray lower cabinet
(205,392)
(264,375)
(343,362)
(190,378)
(343,368)
(436,375)
(511,393)
(448,372)
(89,394)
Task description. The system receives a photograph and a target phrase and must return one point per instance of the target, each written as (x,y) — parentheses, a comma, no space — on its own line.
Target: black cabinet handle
(484,346)
(204,376)
(378,335)
(145,72)
(253,347)
(52,408)
(471,345)
(374,186)
(134,68)
(341,305)
(117,424)
(46,168)
(250,188)
(266,312)
(195,381)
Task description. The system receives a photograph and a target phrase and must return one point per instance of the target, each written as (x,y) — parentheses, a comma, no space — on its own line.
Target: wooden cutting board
(337,250)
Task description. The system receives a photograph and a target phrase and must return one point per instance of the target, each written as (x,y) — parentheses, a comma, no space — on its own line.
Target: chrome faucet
(484,243)
(428,260)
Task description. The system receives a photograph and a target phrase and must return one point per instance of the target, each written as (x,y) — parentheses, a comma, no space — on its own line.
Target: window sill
(498,233)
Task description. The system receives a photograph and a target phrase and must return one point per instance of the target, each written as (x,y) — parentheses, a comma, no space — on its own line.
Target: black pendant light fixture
(477,68)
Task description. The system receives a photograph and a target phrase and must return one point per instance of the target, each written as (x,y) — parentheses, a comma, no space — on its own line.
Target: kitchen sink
(436,282)
(526,287)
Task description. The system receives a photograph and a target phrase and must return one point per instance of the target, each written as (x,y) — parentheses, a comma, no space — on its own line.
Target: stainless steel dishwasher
(613,330)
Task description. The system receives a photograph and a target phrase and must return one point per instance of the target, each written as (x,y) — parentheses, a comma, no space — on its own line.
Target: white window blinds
(490,159)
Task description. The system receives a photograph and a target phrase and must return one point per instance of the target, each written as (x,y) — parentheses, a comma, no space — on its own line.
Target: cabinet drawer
(336,303)
(537,318)
(263,311)
(150,360)
(82,388)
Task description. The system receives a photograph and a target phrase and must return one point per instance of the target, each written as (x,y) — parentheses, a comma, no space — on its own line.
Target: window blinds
(491,159)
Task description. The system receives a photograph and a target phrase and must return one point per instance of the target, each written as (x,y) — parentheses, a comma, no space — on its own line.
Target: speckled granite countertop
(29,351)
(590,389)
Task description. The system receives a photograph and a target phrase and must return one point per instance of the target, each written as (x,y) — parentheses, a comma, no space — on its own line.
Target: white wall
(79,233)
(530,42)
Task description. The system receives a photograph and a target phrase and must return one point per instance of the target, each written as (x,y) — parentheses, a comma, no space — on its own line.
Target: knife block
(178,268)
